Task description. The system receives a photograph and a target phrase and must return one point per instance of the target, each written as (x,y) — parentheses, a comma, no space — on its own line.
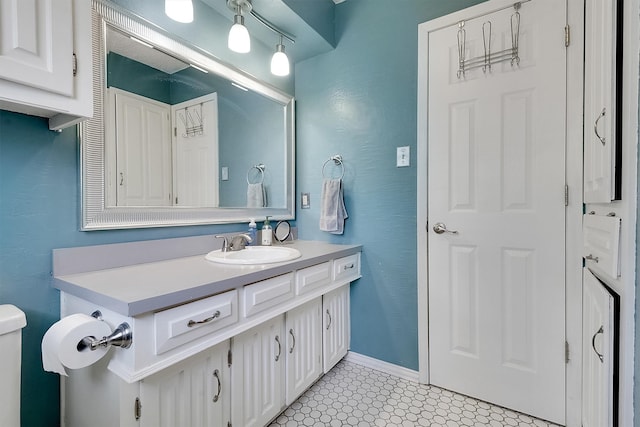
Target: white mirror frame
(96,215)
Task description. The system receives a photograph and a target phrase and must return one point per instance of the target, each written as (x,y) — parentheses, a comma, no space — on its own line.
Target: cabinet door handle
(121,179)
(329,322)
(279,348)
(293,345)
(590,257)
(595,125)
(348,267)
(593,344)
(193,323)
(216,375)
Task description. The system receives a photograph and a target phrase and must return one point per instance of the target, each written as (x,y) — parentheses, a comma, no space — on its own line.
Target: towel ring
(337,159)
(261,167)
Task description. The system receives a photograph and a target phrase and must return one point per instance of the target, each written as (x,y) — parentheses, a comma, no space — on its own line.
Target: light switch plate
(403,156)
(305,202)
(225,173)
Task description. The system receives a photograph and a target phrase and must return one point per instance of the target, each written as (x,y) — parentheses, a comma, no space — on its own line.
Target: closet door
(600,101)
(598,353)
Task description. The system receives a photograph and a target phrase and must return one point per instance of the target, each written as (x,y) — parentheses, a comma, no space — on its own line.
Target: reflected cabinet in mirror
(179,138)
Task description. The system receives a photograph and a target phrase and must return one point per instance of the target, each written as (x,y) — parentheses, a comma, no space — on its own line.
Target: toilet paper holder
(122,337)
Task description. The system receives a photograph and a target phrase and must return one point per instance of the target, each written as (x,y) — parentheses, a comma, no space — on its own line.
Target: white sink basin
(254,255)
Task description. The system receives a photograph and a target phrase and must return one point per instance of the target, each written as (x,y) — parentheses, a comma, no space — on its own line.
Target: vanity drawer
(313,277)
(268,293)
(347,268)
(179,325)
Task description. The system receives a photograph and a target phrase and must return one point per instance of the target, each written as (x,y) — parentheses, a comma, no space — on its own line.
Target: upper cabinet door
(36,46)
(600,139)
(46,64)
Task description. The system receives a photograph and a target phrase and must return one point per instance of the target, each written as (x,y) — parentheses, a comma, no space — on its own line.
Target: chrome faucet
(225,243)
(239,242)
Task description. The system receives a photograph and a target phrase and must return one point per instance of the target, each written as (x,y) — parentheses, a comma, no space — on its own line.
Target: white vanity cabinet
(304,348)
(238,354)
(335,331)
(195,392)
(257,376)
(45,61)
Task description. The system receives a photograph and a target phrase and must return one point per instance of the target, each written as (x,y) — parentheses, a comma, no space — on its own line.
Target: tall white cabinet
(600,112)
(598,354)
(45,59)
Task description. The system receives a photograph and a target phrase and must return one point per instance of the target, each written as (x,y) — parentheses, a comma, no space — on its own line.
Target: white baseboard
(382,366)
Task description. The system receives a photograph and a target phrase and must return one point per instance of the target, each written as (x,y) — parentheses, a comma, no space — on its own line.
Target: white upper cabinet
(600,113)
(45,59)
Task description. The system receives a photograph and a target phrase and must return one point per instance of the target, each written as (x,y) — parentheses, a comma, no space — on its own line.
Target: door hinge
(229,358)
(566,352)
(74,62)
(176,201)
(229,424)
(175,131)
(567,36)
(566,195)
(137,409)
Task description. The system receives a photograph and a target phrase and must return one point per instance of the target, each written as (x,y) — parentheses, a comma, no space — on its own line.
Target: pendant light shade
(280,61)
(239,40)
(179,10)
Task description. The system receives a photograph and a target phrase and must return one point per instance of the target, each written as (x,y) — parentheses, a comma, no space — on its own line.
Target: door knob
(440,228)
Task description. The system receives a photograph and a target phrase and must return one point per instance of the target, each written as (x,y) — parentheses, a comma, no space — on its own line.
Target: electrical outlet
(403,157)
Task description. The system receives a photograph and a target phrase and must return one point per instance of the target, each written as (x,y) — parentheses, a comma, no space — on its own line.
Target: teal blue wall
(360,101)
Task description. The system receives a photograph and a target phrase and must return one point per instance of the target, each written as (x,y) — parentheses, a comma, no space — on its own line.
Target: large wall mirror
(178,137)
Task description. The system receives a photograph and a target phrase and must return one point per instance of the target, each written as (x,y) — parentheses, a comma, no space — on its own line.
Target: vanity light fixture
(179,10)
(280,61)
(239,40)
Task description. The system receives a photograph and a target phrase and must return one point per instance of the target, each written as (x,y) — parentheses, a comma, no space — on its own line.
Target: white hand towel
(256,196)
(332,209)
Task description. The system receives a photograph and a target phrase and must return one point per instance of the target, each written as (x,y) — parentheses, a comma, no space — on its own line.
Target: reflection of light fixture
(279,61)
(143,43)
(199,68)
(239,86)
(179,10)
(239,40)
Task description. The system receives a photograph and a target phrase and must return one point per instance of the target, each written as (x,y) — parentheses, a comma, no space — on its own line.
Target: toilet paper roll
(60,343)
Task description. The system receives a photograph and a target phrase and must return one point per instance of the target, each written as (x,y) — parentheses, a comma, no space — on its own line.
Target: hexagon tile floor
(354,395)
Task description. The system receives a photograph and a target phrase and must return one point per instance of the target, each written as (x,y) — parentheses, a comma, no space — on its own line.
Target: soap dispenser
(266,233)
(253,232)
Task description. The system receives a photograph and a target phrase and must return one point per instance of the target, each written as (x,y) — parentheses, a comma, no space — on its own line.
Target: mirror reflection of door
(195,142)
(143,150)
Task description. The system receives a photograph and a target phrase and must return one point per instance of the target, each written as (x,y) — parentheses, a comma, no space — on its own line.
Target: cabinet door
(258,374)
(36,44)
(600,101)
(335,331)
(598,354)
(195,392)
(304,348)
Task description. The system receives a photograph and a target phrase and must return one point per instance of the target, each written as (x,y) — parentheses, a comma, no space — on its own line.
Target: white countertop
(152,286)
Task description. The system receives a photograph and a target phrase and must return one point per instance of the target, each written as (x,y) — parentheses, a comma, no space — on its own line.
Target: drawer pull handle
(193,323)
(590,257)
(216,375)
(279,348)
(329,322)
(593,343)
(293,345)
(348,267)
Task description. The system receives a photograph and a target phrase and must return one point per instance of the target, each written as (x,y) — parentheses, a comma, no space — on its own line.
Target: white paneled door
(496,172)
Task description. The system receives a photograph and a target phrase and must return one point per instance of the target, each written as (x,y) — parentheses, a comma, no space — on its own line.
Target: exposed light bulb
(239,40)
(179,10)
(280,61)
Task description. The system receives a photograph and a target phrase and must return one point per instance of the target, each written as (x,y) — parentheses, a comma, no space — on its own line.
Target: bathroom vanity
(213,344)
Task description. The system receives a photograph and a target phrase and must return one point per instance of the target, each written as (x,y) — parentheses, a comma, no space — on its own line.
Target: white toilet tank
(12,320)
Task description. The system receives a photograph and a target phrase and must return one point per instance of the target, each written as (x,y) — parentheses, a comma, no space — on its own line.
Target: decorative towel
(256,197)
(332,209)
